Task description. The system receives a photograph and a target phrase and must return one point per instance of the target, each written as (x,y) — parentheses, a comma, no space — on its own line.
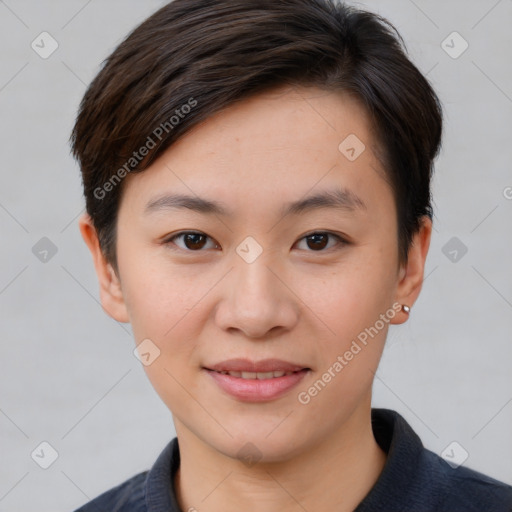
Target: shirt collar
(159,490)
(404,450)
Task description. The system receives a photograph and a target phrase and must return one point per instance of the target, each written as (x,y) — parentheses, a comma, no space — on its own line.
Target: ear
(111,294)
(411,275)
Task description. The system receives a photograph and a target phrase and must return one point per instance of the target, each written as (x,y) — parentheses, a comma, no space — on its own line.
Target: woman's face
(260,279)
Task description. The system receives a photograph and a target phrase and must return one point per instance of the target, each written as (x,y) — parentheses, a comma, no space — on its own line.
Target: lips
(256,381)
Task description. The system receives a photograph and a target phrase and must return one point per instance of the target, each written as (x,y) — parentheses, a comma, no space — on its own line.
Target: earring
(406,309)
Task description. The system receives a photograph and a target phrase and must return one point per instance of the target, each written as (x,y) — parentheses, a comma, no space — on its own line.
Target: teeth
(257,375)
(266,375)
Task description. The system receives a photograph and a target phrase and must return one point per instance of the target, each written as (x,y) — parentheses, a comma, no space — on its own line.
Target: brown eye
(193,241)
(318,241)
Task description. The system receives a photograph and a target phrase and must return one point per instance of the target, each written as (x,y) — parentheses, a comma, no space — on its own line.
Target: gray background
(67,372)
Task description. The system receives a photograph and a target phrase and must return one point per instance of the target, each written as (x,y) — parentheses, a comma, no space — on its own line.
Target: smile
(256,386)
(257,375)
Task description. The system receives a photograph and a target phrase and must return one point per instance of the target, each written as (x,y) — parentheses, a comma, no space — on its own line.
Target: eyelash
(170,241)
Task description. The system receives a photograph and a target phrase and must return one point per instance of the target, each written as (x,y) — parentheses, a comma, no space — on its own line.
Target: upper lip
(265,365)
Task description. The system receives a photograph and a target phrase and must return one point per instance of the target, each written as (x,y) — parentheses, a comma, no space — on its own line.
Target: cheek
(352,296)
(350,345)
(166,307)
(169,314)
(158,295)
(349,303)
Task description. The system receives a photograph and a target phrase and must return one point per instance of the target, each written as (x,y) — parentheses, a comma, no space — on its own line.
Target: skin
(201,303)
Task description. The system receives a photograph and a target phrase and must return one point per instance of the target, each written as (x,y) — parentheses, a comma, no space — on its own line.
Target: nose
(257,300)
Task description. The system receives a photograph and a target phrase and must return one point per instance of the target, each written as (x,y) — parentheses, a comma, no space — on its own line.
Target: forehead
(281,118)
(289,141)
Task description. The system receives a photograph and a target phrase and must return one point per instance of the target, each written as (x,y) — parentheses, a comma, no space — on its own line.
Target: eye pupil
(194,237)
(317,244)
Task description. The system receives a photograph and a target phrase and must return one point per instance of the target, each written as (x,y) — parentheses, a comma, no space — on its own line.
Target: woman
(257,180)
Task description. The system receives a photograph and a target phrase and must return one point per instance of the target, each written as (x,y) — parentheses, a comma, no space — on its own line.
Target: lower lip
(256,390)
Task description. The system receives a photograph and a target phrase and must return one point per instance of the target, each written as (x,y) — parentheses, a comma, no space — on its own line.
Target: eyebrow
(340,198)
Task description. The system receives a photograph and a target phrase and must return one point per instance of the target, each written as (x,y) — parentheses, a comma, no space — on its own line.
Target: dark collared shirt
(414,479)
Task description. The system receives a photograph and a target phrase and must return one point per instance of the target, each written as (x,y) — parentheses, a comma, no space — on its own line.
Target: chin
(251,447)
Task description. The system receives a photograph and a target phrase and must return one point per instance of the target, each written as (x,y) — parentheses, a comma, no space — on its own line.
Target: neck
(335,474)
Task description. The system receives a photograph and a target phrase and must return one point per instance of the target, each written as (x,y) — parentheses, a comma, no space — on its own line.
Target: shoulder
(416,478)
(125,497)
(462,488)
(149,489)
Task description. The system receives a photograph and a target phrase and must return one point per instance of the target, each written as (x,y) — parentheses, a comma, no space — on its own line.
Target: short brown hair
(193,58)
